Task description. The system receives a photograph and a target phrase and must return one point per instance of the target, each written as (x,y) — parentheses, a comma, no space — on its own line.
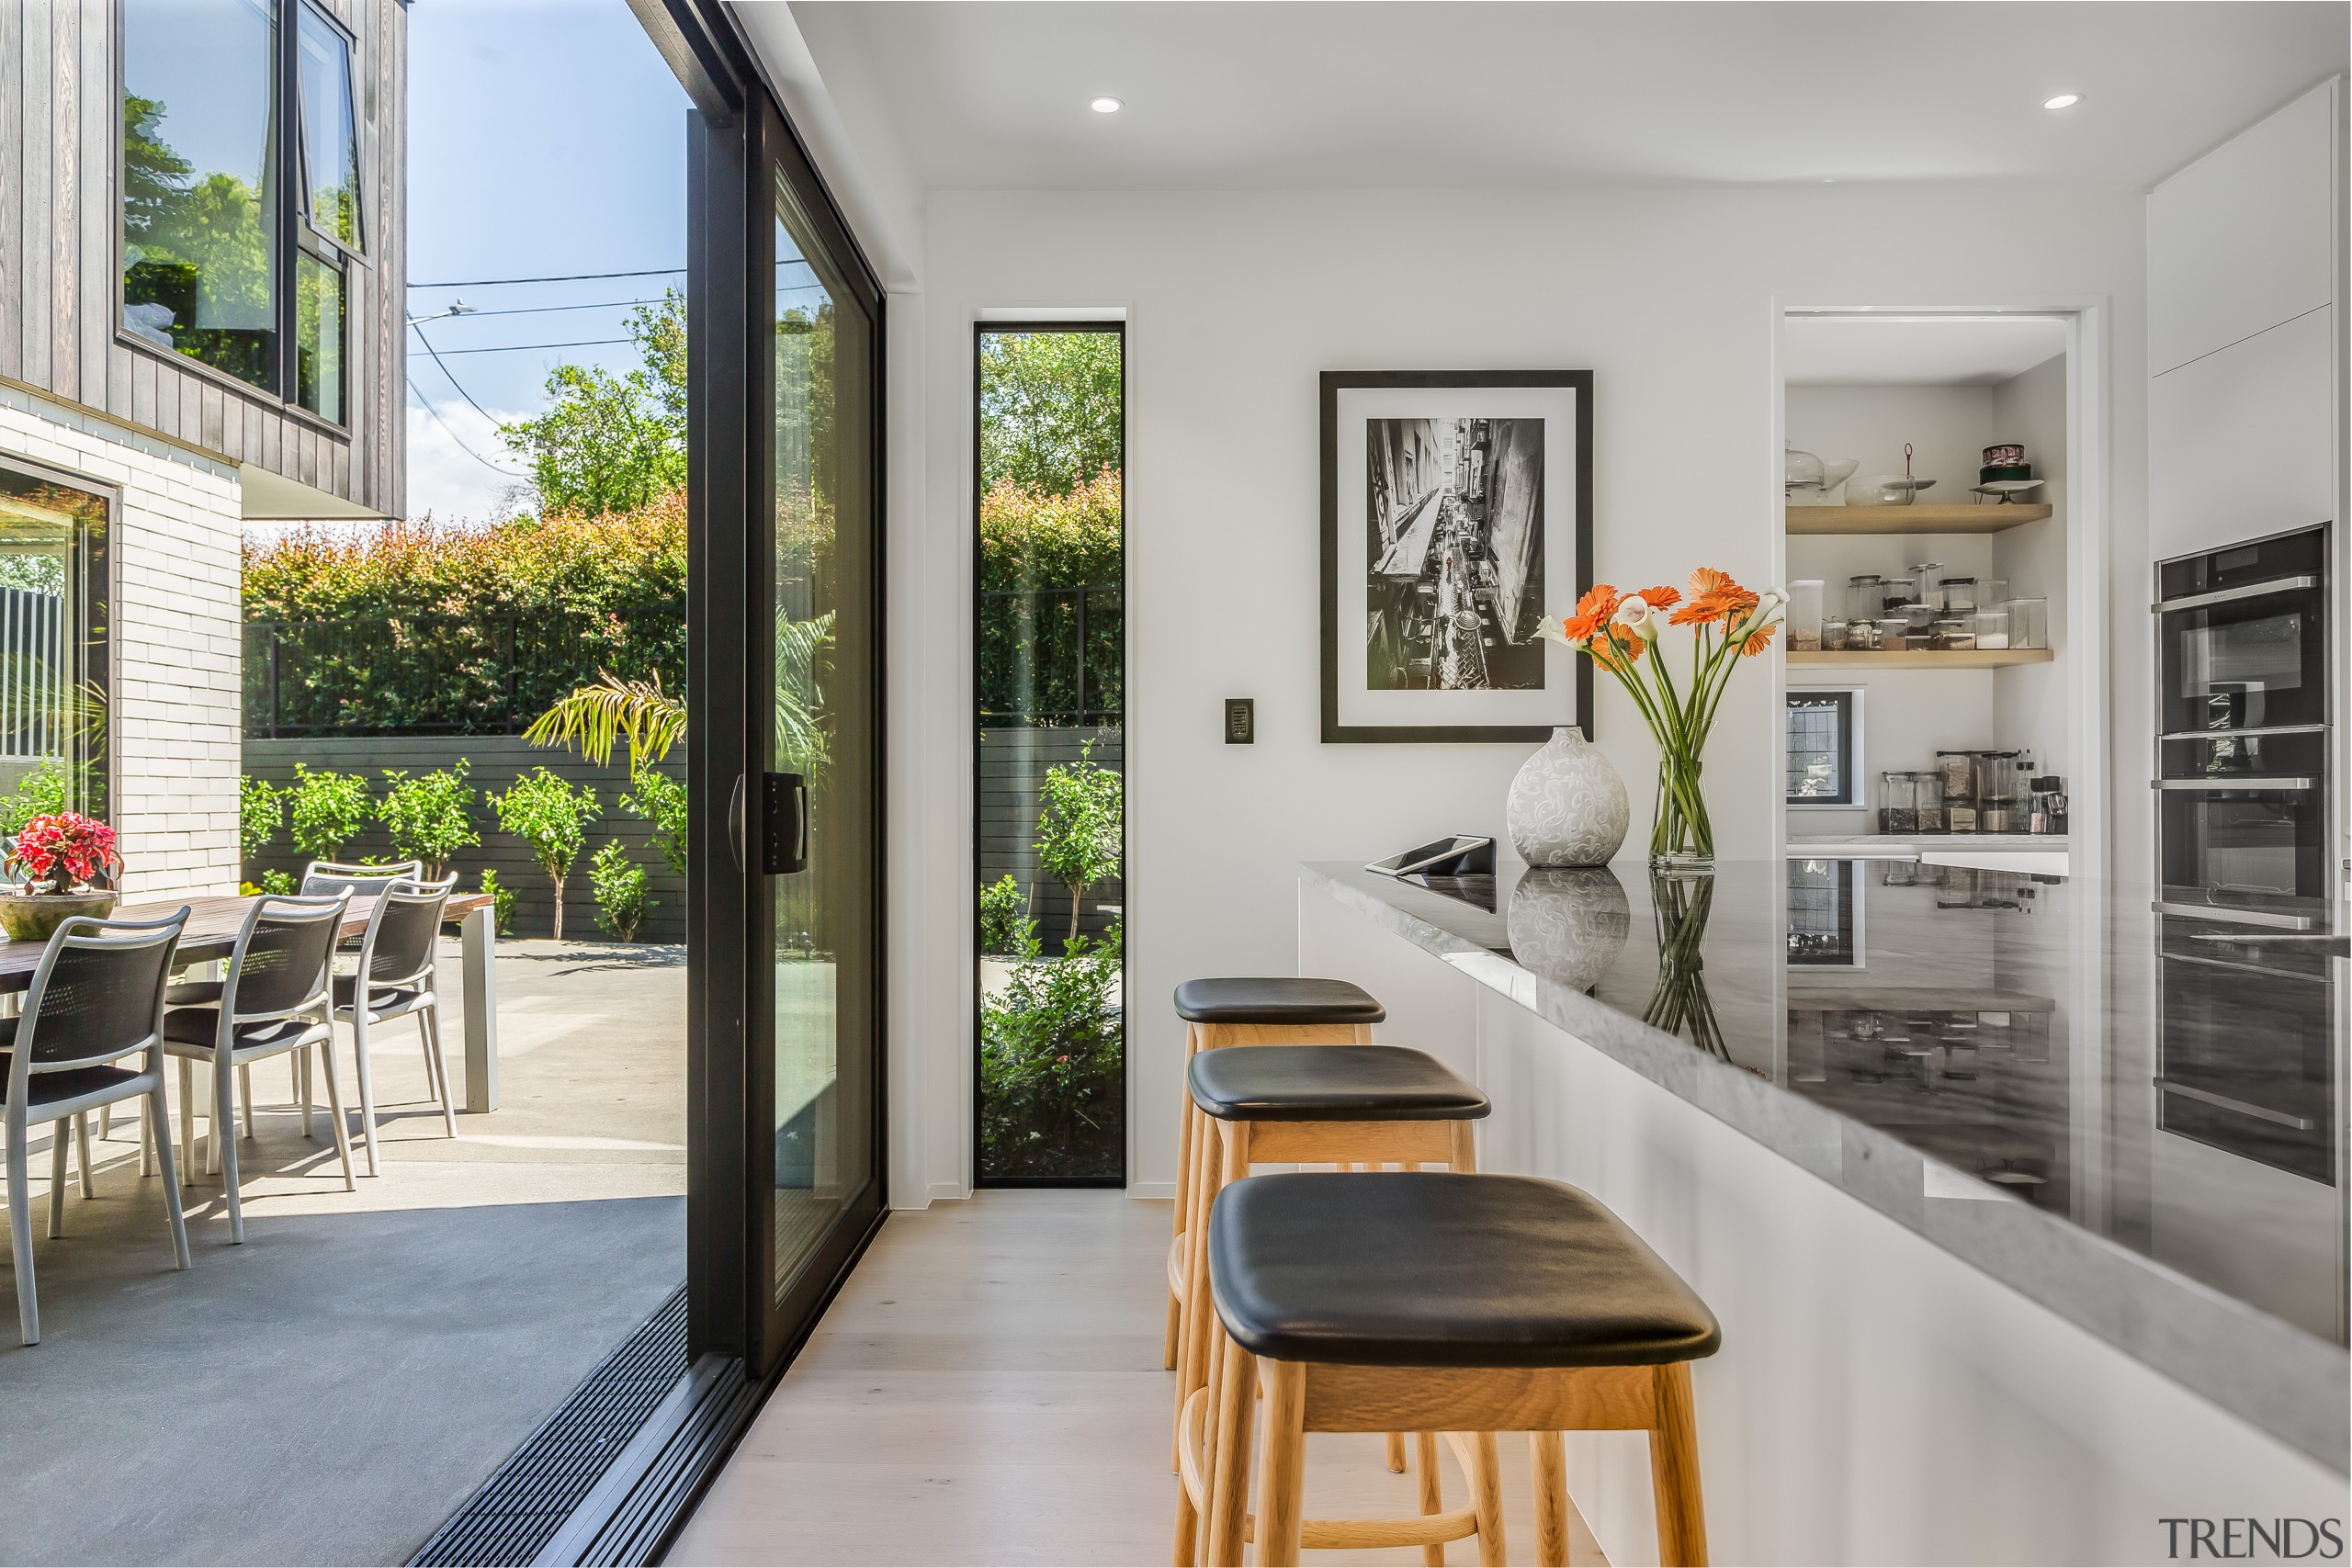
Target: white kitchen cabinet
(2243,239)
(2242,442)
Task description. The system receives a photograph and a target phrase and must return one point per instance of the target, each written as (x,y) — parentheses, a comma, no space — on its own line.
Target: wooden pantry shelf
(1925,658)
(1911,519)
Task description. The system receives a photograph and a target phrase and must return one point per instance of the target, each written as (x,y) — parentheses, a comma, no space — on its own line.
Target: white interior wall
(2029,700)
(1236,300)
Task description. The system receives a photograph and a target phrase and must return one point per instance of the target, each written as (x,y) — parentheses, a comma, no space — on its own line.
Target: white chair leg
(224,1117)
(60,1133)
(188,1121)
(302,1070)
(159,1114)
(245,1089)
(367,1088)
(428,1026)
(20,1235)
(106,1120)
(147,1135)
(82,1147)
(334,1112)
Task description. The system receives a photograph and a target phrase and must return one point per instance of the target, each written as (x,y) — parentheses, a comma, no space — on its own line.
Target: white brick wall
(177,728)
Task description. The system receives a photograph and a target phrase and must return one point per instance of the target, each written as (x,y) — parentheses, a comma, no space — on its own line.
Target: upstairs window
(199,192)
(241,191)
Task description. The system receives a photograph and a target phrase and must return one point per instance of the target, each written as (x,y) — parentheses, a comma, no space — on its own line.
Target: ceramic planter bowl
(35,917)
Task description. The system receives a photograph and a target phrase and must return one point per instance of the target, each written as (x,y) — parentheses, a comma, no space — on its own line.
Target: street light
(457,308)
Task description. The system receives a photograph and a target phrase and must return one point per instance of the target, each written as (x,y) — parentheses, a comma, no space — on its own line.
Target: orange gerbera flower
(1758,641)
(1594,611)
(1661,598)
(1714,597)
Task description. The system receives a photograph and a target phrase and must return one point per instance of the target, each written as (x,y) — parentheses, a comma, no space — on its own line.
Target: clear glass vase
(1682,838)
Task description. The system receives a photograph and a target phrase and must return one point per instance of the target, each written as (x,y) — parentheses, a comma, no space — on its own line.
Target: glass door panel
(816,804)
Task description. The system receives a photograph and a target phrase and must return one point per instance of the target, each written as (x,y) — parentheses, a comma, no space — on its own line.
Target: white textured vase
(1567,806)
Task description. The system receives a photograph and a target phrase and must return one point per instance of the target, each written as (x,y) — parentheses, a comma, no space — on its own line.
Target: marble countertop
(2134,1120)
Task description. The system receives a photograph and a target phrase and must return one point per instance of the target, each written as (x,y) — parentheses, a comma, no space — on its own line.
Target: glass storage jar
(2029,623)
(1833,633)
(1926,585)
(1862,636)
(1992,629)
(1956,634)
(1930,789)
(1865,597)
(1804,615)
(1894,632)
(1960,596)
(1898,809)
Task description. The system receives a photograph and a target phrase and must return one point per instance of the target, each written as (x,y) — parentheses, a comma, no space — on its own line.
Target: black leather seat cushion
(192,993)
(381,998)
(1276,999)
(1330,1083)
(1413,1269)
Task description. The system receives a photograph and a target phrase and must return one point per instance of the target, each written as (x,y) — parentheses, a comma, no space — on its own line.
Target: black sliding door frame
(1115,327)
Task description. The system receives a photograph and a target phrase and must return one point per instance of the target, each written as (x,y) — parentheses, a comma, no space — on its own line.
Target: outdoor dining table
(211,935)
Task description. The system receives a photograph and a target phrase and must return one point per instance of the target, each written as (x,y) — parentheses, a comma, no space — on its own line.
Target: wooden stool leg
(1487,1497)
(1397,1454)
(1432,1491)
(1185,1132)
(1674,1470)
(1192,1354)
(1283,1483)
(1550,1462)
(1236,1419)
(1211,1380)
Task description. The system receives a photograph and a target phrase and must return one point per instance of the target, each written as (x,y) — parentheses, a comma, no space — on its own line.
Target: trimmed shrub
(619,884)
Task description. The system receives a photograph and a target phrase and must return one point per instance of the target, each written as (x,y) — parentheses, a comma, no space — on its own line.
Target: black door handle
(783,823)
(735,821)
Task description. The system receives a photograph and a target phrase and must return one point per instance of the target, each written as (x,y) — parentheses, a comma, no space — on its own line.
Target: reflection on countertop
(2171,1085)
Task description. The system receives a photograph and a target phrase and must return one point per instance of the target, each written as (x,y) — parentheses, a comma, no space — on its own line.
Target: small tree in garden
(552,816)
(430,817)
(1005,925)
(329,810)
(661,800)
(260,811)
(1079,824)
(501,903)
(619,884)
(1050,1059)
(40,793)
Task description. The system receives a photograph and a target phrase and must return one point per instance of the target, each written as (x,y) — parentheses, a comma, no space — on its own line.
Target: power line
(554,277)
(446,371)
(525,347)
(427,404)
(543,309)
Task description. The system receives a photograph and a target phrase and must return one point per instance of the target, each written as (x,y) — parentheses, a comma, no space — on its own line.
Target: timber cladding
(60,130)
(495,763)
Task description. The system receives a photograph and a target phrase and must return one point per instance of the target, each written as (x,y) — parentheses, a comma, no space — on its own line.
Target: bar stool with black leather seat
(1310,1105)
(1467,1304)
(1268,1010)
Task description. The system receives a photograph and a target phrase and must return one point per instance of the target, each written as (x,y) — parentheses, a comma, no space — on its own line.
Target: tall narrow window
(53,621)
(1051,842)
(199,192)
(326,155)
(1822,766)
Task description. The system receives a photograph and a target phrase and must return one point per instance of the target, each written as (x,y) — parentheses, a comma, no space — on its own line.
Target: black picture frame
(1577,531)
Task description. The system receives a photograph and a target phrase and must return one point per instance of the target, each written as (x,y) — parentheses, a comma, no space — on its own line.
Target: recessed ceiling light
(2062,101)
(1113,106)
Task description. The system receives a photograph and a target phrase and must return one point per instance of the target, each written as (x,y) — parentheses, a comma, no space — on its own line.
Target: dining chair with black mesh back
(397,959)
(322,878)
(97,1000)
(275,1001)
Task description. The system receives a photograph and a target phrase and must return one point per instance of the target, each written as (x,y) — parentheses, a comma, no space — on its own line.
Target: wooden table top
(211,929)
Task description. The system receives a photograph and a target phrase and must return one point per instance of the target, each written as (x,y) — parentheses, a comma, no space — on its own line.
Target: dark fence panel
(1013,771)
(470,674)
(495,761)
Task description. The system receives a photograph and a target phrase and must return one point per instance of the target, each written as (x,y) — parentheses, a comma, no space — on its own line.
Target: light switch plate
(1240,721)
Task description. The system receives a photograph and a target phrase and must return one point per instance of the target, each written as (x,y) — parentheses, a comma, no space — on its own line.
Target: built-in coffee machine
(2242,757)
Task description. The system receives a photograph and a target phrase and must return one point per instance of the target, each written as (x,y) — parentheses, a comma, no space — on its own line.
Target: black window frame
(90,595)
(1848,705)
(293,238)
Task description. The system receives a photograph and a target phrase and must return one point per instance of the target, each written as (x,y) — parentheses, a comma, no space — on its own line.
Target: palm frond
(597,717)
(802,740)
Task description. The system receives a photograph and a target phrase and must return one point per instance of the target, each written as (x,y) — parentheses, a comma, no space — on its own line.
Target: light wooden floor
(987,1390)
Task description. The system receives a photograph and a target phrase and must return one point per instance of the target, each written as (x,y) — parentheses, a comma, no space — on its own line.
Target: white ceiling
(1916,351)
(1279,94)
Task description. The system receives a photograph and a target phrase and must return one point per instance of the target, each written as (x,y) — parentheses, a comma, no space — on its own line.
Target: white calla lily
(1634,612)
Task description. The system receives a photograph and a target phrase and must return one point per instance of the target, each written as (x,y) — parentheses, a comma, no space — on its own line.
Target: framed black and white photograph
(1457,517)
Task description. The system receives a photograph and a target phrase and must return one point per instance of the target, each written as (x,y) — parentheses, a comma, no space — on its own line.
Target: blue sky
(546,136)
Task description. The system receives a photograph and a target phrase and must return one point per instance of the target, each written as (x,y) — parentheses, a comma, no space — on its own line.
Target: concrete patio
(333,1388)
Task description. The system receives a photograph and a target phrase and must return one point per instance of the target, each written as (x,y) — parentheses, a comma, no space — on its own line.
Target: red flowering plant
(1728,622)
(61,852)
